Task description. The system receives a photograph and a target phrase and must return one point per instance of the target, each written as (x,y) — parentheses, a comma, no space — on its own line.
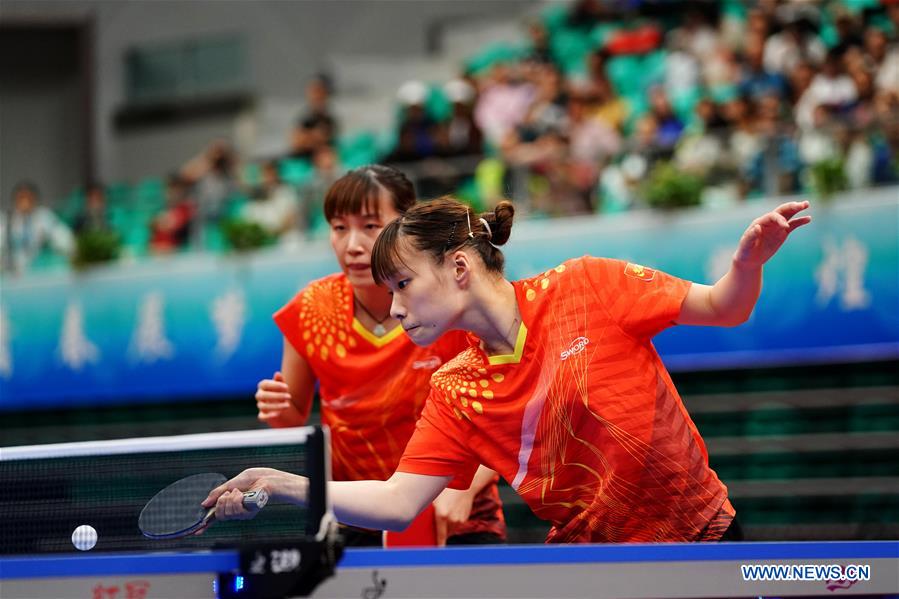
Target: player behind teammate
(373,380)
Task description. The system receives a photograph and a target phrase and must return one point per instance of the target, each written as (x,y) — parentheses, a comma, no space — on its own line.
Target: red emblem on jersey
(639,272)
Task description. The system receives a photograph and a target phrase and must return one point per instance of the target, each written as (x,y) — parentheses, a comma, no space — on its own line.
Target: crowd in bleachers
(598,100)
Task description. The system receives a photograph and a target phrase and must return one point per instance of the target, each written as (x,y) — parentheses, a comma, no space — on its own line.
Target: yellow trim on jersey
(514,358)
(374,339)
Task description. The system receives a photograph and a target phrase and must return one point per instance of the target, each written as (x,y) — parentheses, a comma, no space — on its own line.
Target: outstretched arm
(387,505)
(730,301)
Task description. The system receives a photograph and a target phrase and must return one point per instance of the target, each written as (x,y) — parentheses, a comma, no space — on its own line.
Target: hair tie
(487,226)
(489,232)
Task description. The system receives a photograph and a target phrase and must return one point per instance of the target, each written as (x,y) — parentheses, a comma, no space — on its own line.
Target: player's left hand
(767,233)
(451,508)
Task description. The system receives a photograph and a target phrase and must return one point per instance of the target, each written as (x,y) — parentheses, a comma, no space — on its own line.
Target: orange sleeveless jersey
(583,419)
(372,389)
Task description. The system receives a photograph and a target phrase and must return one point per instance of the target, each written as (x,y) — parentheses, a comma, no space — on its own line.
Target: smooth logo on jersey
(639,272)
(432,363)
(576,347)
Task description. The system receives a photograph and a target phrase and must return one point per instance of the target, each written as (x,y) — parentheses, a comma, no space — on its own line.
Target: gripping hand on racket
(227,498)
(730,301)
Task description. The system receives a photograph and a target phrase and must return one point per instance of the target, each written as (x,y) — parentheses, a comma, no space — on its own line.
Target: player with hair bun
(560,389)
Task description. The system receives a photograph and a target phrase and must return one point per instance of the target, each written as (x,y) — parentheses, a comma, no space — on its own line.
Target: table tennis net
(47,491)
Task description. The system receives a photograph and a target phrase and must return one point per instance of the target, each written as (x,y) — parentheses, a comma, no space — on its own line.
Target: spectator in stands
(417,130)
(274,205)
(171,229)
(794,44)
(849,32)
(608,106)
(758,23)
(669,126)
(745,143)
(775,170)
(592,144)
(31,228)
(702,147)
(538,146)
(317,126)
(832,88)
(548,113)
(861,113)
(857,154)
(312,195)
(538,43)
(94,217)
(682,67)
(593,140)
(756,81)
(698,33)
(800,80)
(460,135)
(503,103)
(817,142)
(406,149)
(584,14)
(621,181)
(876,47)
(597,67)
(884,58)
(886,139)
(212,175)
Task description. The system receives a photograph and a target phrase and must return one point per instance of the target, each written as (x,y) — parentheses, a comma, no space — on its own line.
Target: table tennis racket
(175,511)
(422,532)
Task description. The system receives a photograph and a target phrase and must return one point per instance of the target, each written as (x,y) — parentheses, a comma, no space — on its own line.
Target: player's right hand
(280,486)
(273,398)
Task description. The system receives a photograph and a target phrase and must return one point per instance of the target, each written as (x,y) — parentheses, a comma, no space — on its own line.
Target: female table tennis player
(373,380)
(560,389)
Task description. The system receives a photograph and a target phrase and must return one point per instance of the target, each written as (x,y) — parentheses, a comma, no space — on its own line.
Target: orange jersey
(583,420)
(372,388)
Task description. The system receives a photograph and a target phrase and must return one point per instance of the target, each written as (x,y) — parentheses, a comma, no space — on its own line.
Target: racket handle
(252,500)
(255,500)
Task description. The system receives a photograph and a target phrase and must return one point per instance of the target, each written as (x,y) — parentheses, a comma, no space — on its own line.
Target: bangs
(353,194)
(385,255)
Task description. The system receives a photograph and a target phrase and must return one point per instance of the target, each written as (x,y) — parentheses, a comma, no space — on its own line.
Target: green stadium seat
(554,17)
(773,419)
(569,48)
(772,466)
(149,194)
(71,206)
(496,53)
(719,424)
(251,174)
(118,194)
(49,260)
(876,507)
(358,149)
(601,33)
(874,417)
(296,171)
(684,103)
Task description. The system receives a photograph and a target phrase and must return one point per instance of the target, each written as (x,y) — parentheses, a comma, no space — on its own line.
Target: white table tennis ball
(84,537)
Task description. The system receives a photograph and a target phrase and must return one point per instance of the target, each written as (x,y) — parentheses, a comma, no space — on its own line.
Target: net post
(319,473)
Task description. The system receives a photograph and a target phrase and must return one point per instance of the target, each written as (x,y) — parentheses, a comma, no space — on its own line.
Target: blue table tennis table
(870,568)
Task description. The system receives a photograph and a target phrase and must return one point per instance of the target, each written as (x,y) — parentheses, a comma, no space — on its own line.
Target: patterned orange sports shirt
(372,389)
(583,419)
